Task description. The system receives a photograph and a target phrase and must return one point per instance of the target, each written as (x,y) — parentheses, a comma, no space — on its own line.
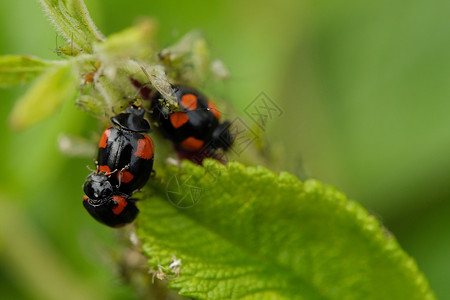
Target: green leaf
(17,69)
(72,20)
(246,233)
(191,50)
(132,42)
(45,96)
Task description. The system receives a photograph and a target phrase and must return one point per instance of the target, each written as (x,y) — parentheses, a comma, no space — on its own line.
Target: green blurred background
(365,89)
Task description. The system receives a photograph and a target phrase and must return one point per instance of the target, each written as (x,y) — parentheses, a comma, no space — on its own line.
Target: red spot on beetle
(189,101)
(124,176)
(104,169)
(144,148)
(178,119)
(121,204)
(104,138)
(192,144)
(214,110)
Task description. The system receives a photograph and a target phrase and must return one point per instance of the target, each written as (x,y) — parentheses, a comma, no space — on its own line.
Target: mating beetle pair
(124,164)
(125,156)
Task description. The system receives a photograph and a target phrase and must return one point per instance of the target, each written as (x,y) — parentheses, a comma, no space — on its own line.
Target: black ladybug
(127,150)
(196,126)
